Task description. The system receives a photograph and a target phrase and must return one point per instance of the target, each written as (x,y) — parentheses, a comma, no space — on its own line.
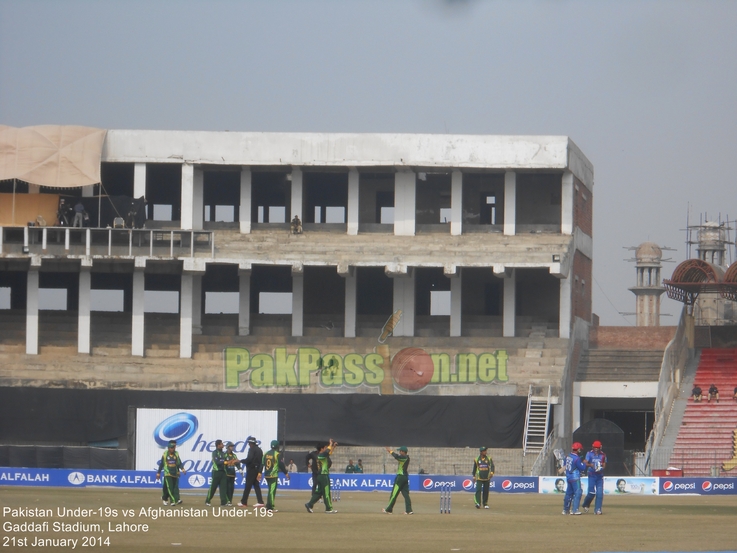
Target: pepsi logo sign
(706,486)
(427,483)
(667,486)
(507,485)
(468,484)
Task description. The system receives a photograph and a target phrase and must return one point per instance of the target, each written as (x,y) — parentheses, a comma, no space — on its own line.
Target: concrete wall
(348,150)
(628,337)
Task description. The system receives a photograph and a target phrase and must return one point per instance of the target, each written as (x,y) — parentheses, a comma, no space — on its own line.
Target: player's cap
(576,446)
(483,448)
(274,443)
(172,443)
(230,444)
(403,448)
(597,443)
(251,440)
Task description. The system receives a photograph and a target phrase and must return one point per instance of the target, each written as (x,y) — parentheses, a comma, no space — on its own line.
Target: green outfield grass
(525,522)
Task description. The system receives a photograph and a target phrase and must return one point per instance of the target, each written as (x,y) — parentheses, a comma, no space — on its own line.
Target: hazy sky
(647,89)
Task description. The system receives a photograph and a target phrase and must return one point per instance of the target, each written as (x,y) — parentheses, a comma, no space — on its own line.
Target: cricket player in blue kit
(596,462)
(574,467)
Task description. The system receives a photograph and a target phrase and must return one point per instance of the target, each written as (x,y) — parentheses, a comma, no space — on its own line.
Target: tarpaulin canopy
(62,156)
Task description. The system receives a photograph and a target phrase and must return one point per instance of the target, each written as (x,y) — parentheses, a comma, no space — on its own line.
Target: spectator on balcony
(713,393)
(79,214)
(735,393)
(696,394)
(296,225)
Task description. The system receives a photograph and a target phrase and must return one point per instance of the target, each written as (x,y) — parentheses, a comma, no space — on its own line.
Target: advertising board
(195,431)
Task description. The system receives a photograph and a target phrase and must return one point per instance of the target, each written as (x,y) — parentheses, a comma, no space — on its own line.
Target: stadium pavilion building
(439,294)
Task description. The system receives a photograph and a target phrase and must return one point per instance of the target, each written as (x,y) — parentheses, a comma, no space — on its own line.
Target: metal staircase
(536,420)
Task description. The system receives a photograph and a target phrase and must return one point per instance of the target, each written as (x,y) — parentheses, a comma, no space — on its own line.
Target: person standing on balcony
(78,214)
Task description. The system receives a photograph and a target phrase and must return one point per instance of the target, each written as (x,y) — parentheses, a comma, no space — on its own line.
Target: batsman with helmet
(574,467)
(596,462)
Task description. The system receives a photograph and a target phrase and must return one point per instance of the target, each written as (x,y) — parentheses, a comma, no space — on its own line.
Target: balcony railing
(107,242)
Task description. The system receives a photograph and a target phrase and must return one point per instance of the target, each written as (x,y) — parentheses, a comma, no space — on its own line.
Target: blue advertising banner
(700,486)
(298,481)
(367,482)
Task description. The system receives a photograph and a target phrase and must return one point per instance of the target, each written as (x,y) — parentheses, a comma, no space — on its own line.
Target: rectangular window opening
(221,302)
(275,303)
(4,298)
(440,303)
(277,214)
(335,214)
(225,213)
(52,299)
(162,212)
(107,300)
(491,202)
(161,301)
(387,215)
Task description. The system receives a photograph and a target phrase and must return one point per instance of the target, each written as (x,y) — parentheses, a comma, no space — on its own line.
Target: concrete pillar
(83,312)
(568,195)
(296,195)
(510,203)
(455,304)
(32,311)
(509,316)
(404,299)
(404,203)
(351,287)
(187,196)
(456,203)
(185,316)
(139,180)
(352,216)
(559,417)
(198,199)
(575,411)
(244,212)
(197,303)
(139,301)
(564,314)
(244,301)
(298,287)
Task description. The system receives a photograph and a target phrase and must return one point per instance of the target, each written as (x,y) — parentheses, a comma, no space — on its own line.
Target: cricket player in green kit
(401,482)
(219,477)
(231,465)
(171,464)
(323,479)
(273,463)
(483,470)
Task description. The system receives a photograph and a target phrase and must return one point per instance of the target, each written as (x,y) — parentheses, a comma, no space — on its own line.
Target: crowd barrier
(613,485)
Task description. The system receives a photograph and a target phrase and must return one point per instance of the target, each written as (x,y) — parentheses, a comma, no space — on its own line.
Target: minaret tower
(648,258)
